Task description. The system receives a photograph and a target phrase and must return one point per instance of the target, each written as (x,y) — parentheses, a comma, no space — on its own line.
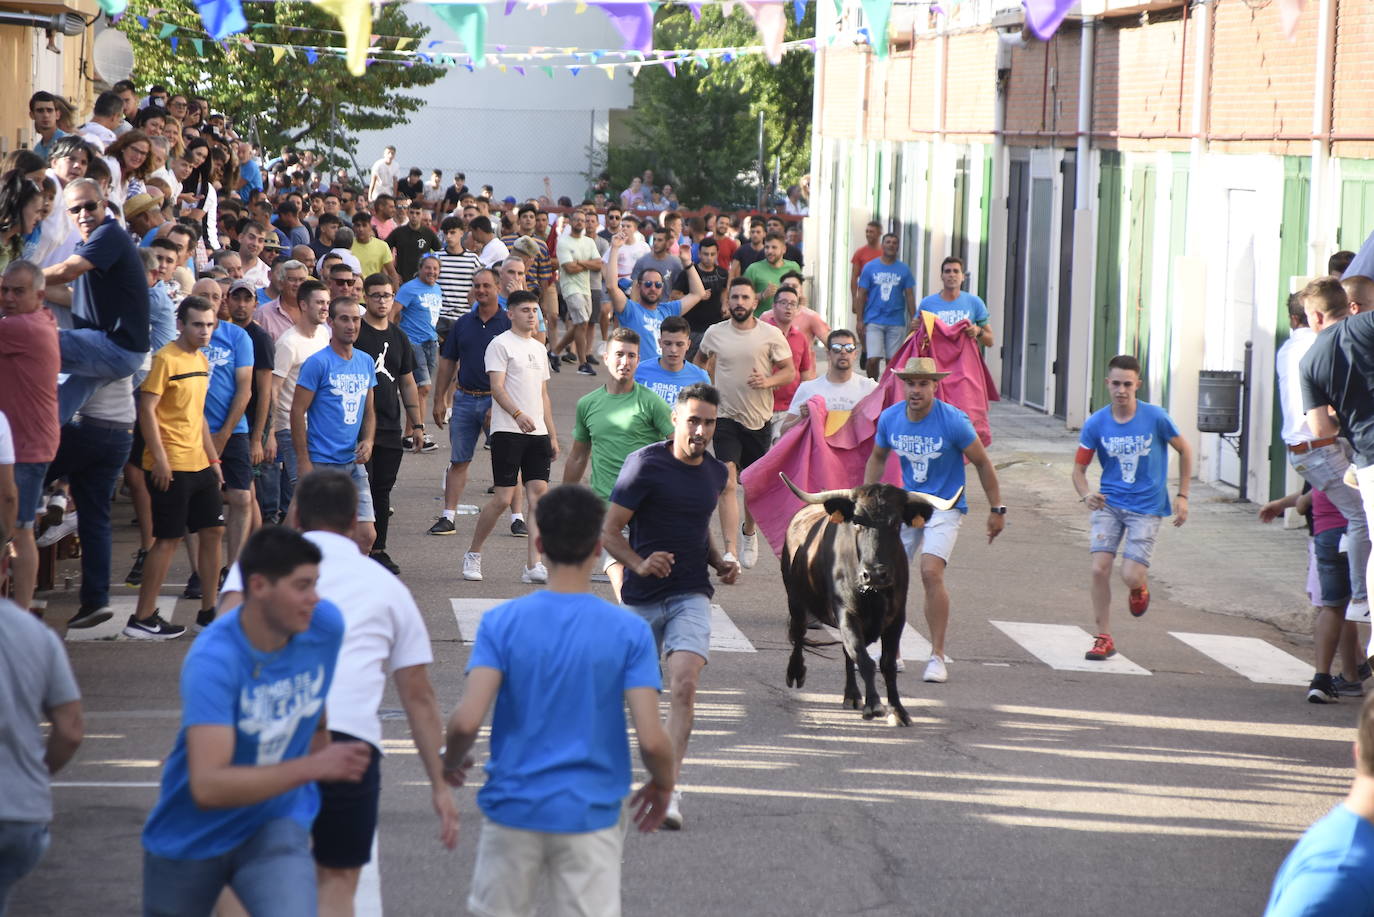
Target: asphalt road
(1020,787)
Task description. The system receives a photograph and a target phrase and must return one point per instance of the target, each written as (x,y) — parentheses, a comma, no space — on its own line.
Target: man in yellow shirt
(374,255)
(182,468)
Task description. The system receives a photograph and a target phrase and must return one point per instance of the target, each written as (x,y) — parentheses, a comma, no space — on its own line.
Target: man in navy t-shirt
(666,494)
(561,665)
(334,392)
(932,439)
(238,792)
(1131,439)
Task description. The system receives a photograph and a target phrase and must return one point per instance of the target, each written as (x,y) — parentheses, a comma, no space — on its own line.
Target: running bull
(843,563)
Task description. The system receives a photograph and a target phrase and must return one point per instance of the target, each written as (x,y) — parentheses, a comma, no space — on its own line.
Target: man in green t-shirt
(613,421)
(765,275)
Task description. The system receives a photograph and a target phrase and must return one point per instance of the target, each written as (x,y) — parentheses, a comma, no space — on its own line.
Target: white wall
(505,129)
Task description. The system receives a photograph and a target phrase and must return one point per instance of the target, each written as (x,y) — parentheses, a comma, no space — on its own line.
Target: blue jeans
(22,845)
(91,456)
(91,359)
(272,873)
(286,454)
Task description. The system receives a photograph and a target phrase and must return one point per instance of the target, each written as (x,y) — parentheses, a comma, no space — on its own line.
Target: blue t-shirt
(421,303)
(673,503)
(336,414)
(162,317)
(273,701)
(645,323)
(466,345)
(931,451)
(886,285)
(964,306)
(665,384)
(560,757)
(1330,871)
(251,173)
(1134,457)
(229,350)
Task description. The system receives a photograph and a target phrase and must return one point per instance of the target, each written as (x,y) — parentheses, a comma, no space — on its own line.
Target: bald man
(305,255)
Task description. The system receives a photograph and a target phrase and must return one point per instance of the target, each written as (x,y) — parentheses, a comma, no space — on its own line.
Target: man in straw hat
(931,439)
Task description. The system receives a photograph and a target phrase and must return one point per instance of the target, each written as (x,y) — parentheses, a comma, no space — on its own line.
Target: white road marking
(122,606)
(725,636)
(913,647)
(468,613)
(1061,646)
(137,784)
(1252,657)
(367,900)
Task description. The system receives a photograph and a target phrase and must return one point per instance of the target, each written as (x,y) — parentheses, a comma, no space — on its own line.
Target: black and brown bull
(843,563)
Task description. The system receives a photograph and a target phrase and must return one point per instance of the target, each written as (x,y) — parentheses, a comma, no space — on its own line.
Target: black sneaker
(135,577)
(153,628)
(569,358)
(1364,672)
(1345,688)
(443,526)
(204,618)
(385,560)
(90,616)
(193,590)
(519,529)
(554,365)
(586,370)
(591,358)
(1322,690)
(223,575)
(429,445)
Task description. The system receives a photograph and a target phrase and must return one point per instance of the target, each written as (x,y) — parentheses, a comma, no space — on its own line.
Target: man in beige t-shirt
(307,337)
(524,442)
(741,355)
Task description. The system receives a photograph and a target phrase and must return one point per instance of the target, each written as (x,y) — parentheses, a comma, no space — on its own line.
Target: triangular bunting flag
(355,18)
(771,22)
(311,55)
(548,71)
(199,46)
(167,30)
(581,7)
(175,42)
(221,18)
(574,70)
(469,22)
(878,11)
(113,7)
(520,70)
(798,11)
(634,22)
(608,69)
(670,67)
(142,21)
(277,54)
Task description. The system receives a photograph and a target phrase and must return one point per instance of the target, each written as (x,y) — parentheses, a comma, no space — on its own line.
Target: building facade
(35,56)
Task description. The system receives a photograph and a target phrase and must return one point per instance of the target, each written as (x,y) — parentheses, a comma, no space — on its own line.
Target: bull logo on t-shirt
(272,711)
(919,451)
(351,388)
(887,282)
(1127,451)
(217,356)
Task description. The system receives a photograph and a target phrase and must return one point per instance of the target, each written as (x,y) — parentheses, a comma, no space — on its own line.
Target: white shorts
(579,308)
(582,871)
(937,537)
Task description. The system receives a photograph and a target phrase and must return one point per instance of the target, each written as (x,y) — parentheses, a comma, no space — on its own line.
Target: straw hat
(919,368)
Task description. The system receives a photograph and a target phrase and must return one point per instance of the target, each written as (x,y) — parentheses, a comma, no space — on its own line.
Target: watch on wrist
(417,426)
(997,510)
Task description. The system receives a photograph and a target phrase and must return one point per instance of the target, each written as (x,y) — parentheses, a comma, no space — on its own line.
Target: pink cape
(814,461)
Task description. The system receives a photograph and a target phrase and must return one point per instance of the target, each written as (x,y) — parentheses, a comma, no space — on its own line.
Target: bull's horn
(812,498)
(934,501)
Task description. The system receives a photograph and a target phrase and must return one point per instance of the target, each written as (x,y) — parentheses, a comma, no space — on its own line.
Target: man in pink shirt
(807,321)
(786,303)
(29,363)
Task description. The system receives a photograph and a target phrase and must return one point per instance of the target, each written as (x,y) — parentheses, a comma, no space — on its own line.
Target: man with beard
(646,312)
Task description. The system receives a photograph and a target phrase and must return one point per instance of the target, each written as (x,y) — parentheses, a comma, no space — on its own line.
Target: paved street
(1172,780)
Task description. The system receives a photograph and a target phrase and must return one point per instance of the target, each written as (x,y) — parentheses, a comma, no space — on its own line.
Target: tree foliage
(700,128)
(293,101)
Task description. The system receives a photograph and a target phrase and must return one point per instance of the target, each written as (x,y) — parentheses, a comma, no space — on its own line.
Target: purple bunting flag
(1045,16)
(634,22)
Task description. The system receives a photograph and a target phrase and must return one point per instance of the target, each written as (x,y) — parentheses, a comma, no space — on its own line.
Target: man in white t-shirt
(302,340)
(578,262)
(841,387)
(385,174)
(524,442)
(632,247)
(383,633)
(491,250)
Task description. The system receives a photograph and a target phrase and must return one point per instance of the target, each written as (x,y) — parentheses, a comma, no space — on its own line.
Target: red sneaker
(1139,602)
(1103,648)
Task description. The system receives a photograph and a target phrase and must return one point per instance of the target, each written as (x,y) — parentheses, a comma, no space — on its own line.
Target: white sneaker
(935,671)
(535,574)
(56,533)
(748,549)
(1358,610)
(472,566)
(901,664)
(673,820)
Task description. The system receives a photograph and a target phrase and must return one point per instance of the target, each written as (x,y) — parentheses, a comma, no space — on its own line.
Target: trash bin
(1218,401)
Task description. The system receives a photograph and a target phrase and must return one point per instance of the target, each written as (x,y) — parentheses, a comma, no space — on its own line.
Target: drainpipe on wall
(1078,374)
(1319,245)
(997,203)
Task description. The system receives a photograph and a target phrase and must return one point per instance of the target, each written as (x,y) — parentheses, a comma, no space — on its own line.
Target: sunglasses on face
(652,284)
(84,207)
(843,348)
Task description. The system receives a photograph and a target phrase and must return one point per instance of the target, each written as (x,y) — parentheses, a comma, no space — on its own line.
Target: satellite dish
(114,56)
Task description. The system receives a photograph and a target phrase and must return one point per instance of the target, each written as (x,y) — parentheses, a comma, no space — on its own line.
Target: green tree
(291,101)
(700,128)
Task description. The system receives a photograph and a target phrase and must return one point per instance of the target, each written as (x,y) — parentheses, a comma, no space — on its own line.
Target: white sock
(450,514)
(515,516)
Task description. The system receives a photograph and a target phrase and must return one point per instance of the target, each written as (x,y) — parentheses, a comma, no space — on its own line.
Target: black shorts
(520,455)
(238,471)
(192,502)
(736,443)
(347,819)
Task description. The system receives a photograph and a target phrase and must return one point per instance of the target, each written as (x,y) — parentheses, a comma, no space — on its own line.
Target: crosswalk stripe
(367,899)
(725,636)
(1061,646)
(913,645)
(122,606)
(1256,659)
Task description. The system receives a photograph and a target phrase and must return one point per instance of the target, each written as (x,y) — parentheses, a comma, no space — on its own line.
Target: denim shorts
(22,845)
(1333,568)
(882,341)
(358,472)
(426,361)
(679,622)
(28,478)
(465,425)
(1111,525)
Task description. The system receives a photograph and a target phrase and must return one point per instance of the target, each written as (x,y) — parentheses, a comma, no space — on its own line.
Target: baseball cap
(241,285)
(508,200)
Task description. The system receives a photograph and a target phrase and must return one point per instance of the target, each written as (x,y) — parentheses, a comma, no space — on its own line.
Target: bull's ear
(841,509)
(917,513)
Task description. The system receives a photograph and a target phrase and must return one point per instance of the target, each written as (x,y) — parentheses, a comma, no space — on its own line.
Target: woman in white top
(130,159)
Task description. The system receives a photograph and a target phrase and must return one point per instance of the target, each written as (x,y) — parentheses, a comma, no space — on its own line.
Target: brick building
(1165,206)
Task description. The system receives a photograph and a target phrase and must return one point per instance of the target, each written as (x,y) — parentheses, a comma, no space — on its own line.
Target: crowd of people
(253,346)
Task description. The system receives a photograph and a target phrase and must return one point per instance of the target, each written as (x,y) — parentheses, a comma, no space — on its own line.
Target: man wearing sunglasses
(109,301)
(840,387)
(645,312)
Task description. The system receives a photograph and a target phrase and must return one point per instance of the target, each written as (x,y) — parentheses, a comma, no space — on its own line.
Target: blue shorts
(358,472)
(347,820)
(465,425)
(1110,526)
(426,361)
(680,622)
(28,478)
(233,461)
(1333,569)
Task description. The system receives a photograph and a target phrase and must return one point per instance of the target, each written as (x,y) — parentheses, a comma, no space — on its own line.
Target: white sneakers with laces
(536,574)
(748,549)
(472,566)
(935,671)
(673,820)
